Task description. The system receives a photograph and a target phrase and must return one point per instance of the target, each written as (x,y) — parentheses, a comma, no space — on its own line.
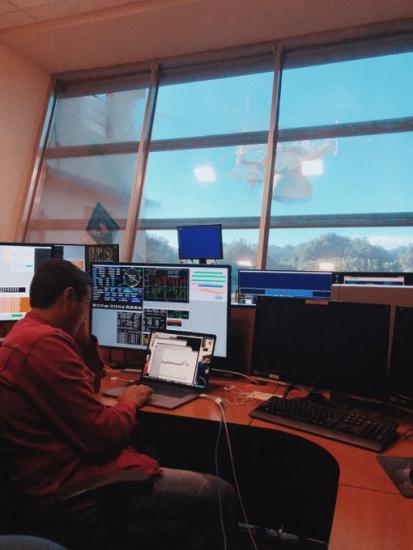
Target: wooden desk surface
(370,513)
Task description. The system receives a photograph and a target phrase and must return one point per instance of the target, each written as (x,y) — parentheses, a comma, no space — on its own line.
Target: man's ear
(69,295)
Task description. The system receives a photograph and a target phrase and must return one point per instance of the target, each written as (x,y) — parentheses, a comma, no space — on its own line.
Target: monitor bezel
(395,384)
(209,225)
(151,264)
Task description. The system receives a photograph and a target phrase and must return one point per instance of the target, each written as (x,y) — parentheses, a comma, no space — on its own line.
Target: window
(206,163)
(342,188)
(341,163)
(87,176)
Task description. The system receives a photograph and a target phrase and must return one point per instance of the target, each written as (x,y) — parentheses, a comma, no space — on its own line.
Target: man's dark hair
(51,280)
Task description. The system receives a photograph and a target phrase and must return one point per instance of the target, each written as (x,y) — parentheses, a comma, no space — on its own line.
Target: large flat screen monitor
(18,264)
(337,346)
(292,284)
(401,362)
(130,300)
(200,242)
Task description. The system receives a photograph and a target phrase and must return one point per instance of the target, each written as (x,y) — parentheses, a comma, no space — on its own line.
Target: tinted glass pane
(342,249)
(200,183)
(218,106)
(366,89)
(101,118)
(73,188)
(367,174)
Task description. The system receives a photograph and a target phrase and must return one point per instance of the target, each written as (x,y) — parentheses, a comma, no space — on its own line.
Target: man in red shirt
(57,432)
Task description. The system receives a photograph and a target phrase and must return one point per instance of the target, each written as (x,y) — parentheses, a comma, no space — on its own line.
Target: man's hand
(83,334)
(136,395)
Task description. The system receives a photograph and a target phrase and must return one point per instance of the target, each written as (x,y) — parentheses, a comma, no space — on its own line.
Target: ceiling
(65,35)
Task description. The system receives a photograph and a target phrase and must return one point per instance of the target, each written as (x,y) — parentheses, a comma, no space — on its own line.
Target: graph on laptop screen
(338,346)
(131,300)
(18,264)
(293,284)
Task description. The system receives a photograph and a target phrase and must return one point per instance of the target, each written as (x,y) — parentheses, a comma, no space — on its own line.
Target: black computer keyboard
(348,426)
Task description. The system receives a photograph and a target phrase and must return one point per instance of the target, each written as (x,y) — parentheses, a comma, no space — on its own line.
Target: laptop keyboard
(169,391)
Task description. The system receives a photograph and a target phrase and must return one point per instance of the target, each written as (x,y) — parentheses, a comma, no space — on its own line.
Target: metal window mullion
(265,217)
(329,131)
(135,202)
(34,187)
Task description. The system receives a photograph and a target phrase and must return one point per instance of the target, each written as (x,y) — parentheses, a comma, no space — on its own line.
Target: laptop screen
(179,357)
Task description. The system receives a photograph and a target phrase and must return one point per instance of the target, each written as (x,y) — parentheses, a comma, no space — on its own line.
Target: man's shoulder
(30,332)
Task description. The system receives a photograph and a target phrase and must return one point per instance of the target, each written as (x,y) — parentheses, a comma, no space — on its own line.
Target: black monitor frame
(280,354)
(87,247)
(219,361)
(215,228)
(401,359)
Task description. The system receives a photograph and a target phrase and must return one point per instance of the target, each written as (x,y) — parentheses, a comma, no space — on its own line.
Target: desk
(369,513)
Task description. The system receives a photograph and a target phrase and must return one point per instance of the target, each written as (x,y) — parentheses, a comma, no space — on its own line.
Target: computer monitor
(96,253)
(131,300)
(18,264)
(293,284)
(339,346)
(83,255)
(401,359)
(75,253)
(200,242)
(373,278)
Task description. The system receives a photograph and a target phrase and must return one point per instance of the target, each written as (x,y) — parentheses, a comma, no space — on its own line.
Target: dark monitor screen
(200,242)
(18,264)
(131,300)
(401,362)
(373,278)
(339,346)
(293,284)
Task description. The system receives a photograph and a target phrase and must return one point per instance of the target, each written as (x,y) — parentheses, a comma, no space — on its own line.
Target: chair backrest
(8,500)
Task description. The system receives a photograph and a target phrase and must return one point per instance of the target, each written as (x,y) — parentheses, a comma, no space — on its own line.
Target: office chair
(22,542)
(49,520)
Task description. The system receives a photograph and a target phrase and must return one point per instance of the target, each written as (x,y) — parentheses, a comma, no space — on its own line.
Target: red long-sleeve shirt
(55,429)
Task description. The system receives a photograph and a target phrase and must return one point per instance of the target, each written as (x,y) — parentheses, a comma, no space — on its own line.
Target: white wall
(23,94)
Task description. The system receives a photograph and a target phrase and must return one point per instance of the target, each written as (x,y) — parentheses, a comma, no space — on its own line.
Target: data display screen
(131,300)
(18,264)
(290,284)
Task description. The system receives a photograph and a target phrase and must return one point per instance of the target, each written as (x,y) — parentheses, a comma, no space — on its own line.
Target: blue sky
(367,174)
(361,174)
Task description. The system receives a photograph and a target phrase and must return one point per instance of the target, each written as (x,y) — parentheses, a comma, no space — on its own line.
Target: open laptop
(176,367)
